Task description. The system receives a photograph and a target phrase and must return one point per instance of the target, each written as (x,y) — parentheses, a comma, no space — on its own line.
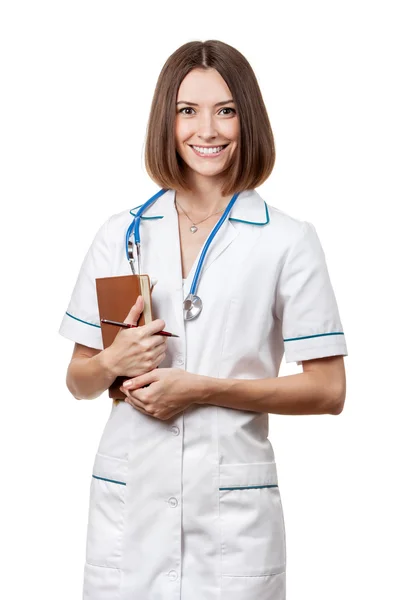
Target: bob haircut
(254,159)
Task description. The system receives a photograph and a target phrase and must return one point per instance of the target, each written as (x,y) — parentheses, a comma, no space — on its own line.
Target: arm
(133,352)
(89,372)
(320,389)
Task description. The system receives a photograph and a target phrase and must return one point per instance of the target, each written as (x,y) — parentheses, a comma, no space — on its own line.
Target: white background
(77,80)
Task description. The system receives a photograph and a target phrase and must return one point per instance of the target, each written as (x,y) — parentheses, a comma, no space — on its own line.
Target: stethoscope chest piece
(192,307)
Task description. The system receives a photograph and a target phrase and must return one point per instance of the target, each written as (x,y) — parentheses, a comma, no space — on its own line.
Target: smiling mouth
(208,151)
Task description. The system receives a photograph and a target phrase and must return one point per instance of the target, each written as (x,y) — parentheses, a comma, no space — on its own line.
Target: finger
(158,359)
(154,327)
(157,341)
(134,314)
(155,355)
(137,404)
(137,382)
(137,399)
(139,396)
(161,354)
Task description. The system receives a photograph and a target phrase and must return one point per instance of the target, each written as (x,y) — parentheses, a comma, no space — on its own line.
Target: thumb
(133,315)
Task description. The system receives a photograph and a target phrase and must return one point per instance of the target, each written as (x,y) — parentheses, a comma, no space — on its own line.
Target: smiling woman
(185,500)
(205,100)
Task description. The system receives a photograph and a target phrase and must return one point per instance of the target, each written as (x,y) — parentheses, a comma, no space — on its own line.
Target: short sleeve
(306,303)
(81,321)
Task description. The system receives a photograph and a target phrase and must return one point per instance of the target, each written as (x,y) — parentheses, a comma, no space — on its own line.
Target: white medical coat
(190,508)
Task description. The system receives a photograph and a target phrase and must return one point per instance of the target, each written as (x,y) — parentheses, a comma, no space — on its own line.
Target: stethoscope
(192,305)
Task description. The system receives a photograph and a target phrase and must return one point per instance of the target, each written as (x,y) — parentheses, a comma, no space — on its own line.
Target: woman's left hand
(170,391)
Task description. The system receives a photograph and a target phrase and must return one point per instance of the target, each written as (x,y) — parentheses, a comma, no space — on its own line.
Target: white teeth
(208,150)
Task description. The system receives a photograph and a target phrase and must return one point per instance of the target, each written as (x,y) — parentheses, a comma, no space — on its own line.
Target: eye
(228,108)
(190,108)
(185,108)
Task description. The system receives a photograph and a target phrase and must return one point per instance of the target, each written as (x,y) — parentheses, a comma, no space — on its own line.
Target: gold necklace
(193,228)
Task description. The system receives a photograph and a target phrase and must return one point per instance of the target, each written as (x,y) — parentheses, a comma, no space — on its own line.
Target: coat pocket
(100,583)
(106,512)
(253,539)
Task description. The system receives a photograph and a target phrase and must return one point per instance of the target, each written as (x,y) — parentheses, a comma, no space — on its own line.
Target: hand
(169,391)
(135,351)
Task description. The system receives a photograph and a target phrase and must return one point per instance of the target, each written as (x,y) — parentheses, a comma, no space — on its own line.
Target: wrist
(205,388)
(108,363)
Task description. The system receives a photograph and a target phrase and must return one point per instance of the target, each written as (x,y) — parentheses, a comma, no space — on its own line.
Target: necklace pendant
(193,229)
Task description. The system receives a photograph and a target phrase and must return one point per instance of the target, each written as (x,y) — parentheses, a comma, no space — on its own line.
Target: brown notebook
(115,298)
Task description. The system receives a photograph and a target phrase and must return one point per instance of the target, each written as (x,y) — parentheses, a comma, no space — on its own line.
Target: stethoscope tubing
(135,225)
(210,238)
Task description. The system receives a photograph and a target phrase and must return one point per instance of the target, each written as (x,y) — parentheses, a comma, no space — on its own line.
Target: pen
(128,325)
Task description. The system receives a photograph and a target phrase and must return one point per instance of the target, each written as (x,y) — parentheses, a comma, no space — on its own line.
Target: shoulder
(283,222)
(120,221)
(113,230)
(294,239)
(285,230)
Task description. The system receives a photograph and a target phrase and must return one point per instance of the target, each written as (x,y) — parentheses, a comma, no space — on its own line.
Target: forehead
(203,87)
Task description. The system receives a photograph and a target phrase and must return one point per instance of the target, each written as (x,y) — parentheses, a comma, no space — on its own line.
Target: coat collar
(162,259)
(249,208)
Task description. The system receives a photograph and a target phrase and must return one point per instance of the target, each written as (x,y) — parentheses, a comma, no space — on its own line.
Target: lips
(216,146)
(209,154)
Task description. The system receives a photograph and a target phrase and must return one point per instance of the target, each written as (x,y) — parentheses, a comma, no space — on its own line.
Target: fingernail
(126,383)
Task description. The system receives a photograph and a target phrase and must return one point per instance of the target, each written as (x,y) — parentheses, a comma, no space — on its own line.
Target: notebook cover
(115,298)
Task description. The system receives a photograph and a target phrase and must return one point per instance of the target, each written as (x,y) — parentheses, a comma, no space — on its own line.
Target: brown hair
(254,159)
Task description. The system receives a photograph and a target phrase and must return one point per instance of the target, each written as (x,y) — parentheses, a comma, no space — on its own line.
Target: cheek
(231,129)
(183,131)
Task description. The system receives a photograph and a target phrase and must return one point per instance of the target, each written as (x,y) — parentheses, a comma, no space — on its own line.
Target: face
(206,119)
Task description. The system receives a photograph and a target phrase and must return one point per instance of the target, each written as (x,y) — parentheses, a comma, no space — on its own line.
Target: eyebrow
(194,104)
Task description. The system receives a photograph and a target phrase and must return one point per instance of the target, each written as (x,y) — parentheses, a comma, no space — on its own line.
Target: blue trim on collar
(143,217)
(252,222)
(230,218)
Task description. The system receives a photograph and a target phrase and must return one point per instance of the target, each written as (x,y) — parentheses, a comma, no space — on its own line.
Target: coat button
(173,575)
(175,430)
(179,360)
(173,502)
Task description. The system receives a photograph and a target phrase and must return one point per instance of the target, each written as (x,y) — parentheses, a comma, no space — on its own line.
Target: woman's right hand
(136,350)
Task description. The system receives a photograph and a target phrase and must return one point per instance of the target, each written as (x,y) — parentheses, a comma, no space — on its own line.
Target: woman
(185,501)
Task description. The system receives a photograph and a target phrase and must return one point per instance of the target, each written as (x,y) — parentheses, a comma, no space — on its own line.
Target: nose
(206,127)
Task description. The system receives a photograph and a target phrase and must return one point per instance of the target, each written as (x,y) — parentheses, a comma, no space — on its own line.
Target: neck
(204,195)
